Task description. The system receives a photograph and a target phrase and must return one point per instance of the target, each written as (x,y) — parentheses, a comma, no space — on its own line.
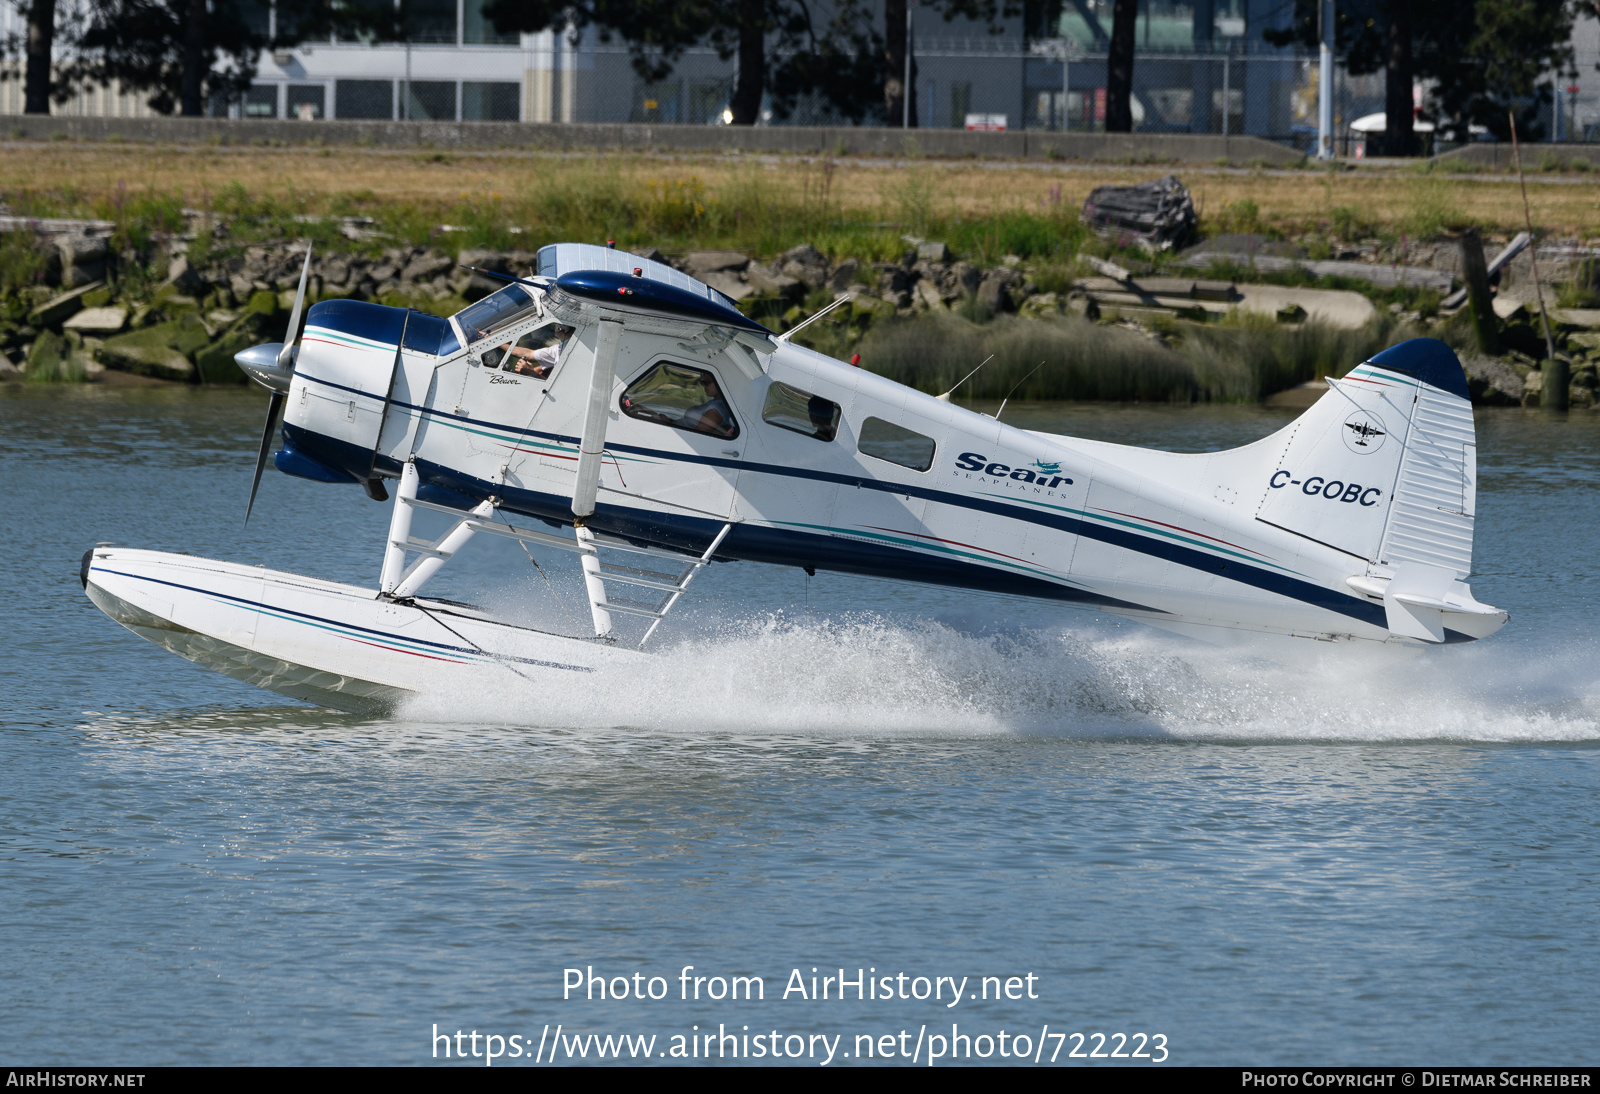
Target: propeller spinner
(272,366)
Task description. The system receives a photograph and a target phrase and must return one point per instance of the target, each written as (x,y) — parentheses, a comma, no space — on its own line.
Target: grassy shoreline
(761,205)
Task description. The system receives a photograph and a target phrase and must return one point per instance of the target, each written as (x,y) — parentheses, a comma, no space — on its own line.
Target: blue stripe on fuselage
(554,507)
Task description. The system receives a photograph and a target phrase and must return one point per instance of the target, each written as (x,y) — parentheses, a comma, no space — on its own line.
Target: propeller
(284,366)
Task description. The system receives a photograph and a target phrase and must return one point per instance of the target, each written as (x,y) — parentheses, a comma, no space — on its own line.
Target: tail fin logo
(1364,433)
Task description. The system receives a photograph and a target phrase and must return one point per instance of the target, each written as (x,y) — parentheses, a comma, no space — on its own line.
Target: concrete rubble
(1256,252)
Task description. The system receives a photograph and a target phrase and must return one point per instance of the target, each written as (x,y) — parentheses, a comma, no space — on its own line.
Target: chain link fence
(1012,84)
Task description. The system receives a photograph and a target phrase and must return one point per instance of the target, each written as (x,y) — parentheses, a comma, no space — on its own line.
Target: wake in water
(870,676)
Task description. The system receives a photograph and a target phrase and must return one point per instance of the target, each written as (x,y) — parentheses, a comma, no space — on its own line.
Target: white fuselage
(1178,540)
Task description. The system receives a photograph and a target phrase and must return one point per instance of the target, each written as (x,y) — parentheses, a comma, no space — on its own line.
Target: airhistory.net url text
(904,1046)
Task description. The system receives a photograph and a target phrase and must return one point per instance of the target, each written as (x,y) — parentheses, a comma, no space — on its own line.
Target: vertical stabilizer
(1384,466)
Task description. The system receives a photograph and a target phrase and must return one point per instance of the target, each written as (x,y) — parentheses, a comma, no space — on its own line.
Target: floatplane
(665,431)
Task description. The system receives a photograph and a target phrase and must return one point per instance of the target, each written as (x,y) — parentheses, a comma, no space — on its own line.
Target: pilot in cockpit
(711,416)
(529,361)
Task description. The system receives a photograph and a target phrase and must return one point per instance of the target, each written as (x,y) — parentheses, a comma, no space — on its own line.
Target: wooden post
(1554,386)
(1475,272)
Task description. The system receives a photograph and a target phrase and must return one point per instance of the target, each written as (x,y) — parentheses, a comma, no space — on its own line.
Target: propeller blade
(279,398)
(274,412)
(286,354)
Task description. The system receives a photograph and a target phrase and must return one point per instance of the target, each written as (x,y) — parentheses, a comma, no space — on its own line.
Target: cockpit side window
(790,408)
(494,312)
(683,397)
(534,354)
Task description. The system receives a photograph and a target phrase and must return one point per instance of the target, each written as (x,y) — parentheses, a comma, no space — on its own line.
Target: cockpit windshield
(494,312)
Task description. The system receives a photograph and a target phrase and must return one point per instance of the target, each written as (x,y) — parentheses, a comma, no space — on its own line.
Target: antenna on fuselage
(792,331)
(945,398)
(1013,390)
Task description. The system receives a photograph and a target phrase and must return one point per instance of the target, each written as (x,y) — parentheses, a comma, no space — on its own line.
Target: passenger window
(488,315)
(682,397)
(791,408)
(886,441)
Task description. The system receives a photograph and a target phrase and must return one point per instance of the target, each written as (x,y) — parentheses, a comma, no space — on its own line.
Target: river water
(1314,855)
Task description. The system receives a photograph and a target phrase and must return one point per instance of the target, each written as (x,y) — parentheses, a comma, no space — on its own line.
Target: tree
(896,45)
(783,54)
(1483,59)
(844,64)
(1515,55)
(41,19)
(658,31)
(186,52)
(752,28)
(1119,68)
(36,47)
(170,48)
(746,103)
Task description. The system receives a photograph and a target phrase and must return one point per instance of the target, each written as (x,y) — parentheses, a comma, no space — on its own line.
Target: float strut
(394,554)
(436,556)
(596,586)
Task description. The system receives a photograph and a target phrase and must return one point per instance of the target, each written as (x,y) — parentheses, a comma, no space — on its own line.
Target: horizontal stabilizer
(1413,601)
(1419,600)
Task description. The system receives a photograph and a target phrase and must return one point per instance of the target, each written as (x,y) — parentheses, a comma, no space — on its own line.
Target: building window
(261,101)
(431,100)
(363,99)
(707,100)
(430,21)
(960,103)
(656,102)
(257,16)
(307,102)
(478,30)
(1230,18)
(1235,110)
(1174,106)
(491,102)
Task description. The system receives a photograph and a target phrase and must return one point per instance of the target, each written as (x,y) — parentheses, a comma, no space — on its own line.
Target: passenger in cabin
(711,416)
(823,413)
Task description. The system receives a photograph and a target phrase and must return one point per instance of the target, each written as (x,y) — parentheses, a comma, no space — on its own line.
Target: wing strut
(399,581)
(591,445)
(591,448)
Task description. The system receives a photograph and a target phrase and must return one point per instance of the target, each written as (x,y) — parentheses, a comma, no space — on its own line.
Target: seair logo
(1331,489)
(1047,477)
(1363,433)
